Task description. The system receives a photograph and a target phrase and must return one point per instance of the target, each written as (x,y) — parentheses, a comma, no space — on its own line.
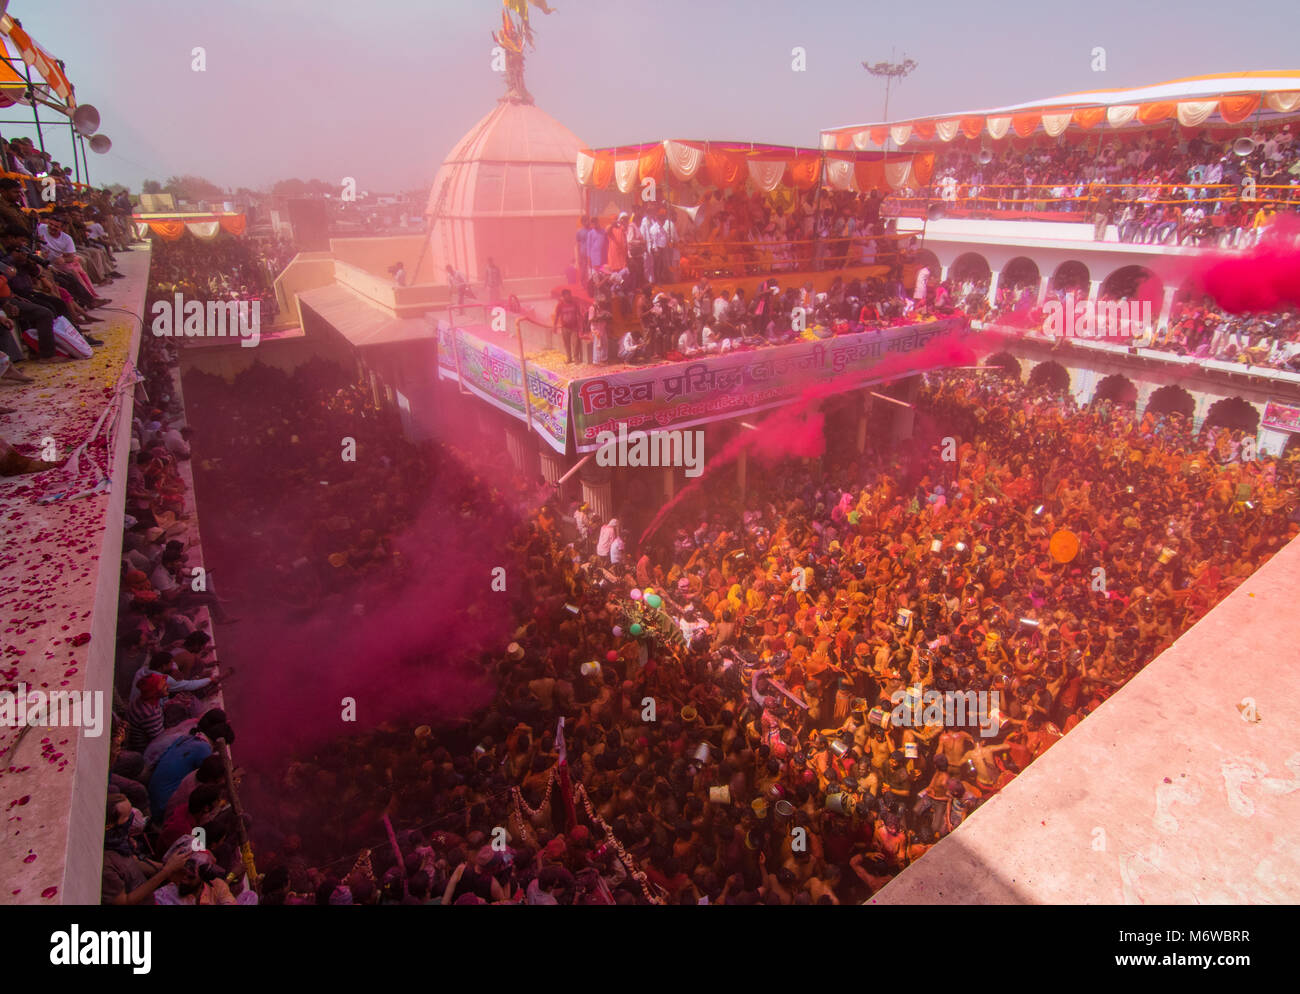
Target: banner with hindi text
(496,375)
(718,387)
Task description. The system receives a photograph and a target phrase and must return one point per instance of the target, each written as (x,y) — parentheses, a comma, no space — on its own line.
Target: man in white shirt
(606,539)
(62,251)
(616,547)
(656,249)
(673,257)
(631,348)
(690,623)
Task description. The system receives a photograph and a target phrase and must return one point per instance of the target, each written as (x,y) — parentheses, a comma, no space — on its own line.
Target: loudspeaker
(86,119)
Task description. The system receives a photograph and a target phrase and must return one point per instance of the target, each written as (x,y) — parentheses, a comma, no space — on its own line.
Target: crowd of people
(168,769)
(786,626)
(1195,327)
(1155,191)
(55,266)
(659,325)
(169,764)
(226,268)
(734,233)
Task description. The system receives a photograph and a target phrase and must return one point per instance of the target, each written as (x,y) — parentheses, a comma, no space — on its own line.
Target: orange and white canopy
(171,226)
(728,165)
(1228,98)
(42,62)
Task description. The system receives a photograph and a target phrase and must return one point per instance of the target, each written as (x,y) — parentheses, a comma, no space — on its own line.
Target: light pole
(891,71)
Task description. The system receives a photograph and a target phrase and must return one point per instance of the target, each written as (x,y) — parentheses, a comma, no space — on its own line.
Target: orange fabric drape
(652,163)
(1154,113)
(923,130)
(168,231)
(844,141)
(42,62)
(1236,109)
(234,225)
(869,176)
(725,169)
(972,126)
(878,135)
(923,167)
(1025,124)
(603,170)
(1089,117)
(804,171)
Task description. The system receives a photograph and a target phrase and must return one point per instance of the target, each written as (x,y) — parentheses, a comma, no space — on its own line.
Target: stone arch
(1172,399)
(1134,283)
(1233,413)
(1009,364)
(925,257)
(1052,375)
(1072,275)
(972,266)
(1022,270)
(1118,389)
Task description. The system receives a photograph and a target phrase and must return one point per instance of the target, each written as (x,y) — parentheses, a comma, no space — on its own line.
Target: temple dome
(509,189)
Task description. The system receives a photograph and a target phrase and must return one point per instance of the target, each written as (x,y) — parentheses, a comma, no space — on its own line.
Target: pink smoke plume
(406,655)
(1261,279)
(796,429)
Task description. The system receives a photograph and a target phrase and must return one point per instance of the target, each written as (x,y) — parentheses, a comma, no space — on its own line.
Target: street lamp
(891,71)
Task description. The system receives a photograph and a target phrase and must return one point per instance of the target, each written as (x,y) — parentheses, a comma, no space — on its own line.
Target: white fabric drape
(766,175)
(1121,114)
(586,163)
(1055,124)
(684,160)
(141,230)
(897,174)
(206,230)
(1194,113)
(947,130)
(862,139)
(998,127)
(839,174)
(900,133)
(625,174)
(1283,101)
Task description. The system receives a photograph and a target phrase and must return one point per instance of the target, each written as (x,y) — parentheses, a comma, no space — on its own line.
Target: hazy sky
(382,89)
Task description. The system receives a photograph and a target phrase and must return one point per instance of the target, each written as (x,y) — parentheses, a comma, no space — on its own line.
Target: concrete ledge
(59,573)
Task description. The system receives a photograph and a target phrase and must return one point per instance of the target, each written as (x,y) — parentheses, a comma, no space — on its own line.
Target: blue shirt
(182,758)
(596,247)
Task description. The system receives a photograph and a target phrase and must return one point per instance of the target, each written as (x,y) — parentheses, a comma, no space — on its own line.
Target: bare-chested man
(982,755)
